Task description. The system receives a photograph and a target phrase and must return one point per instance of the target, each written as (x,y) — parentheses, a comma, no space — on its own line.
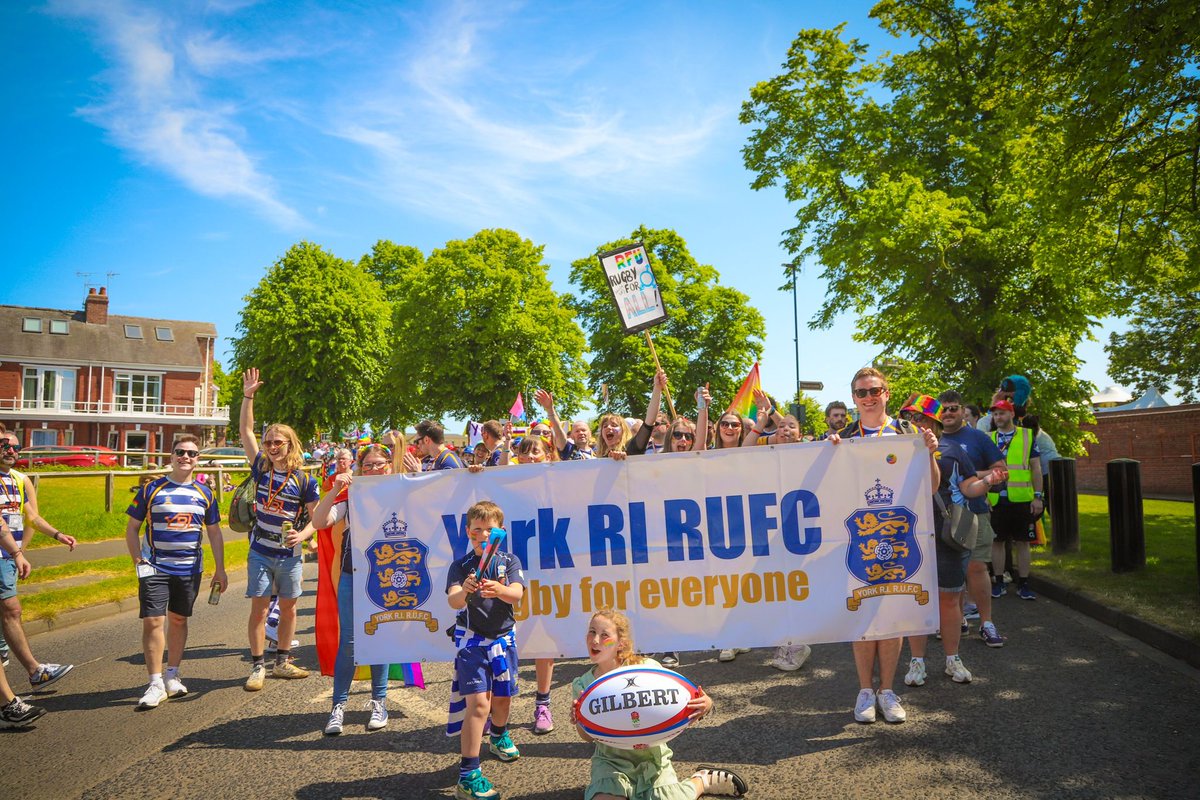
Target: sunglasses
(276,443)
(730,424)
(16,448)
(182,453)
(951,408)
(682,435)
(873,391)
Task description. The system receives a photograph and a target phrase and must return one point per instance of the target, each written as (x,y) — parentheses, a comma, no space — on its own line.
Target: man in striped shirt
(169,563)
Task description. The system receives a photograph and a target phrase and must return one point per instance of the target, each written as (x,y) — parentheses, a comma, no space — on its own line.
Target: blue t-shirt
(487,616)
(447,459)
(178,515)
(279,498)
(894,427)
(982,452)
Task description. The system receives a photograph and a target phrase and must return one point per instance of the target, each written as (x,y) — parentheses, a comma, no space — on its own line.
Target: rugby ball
(635,707)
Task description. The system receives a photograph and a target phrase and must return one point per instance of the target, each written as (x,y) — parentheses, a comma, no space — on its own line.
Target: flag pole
(658,366)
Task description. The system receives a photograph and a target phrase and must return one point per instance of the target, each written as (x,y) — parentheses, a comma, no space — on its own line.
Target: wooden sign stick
(658,366)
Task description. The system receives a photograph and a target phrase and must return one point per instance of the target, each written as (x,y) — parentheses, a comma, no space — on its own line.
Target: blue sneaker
(48,673)
(1025,593)
(999,589)
(990,636)
(475,787)
(502,747)
(971,611)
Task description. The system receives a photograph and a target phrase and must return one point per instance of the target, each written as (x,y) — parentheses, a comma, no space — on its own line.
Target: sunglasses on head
(682,435)
(184,453)
(873,391)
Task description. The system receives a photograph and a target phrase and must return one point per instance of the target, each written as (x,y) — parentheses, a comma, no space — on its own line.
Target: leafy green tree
(712,335)
(1162,349)
(393,265)
(474,324)
(317,327)
(959,198)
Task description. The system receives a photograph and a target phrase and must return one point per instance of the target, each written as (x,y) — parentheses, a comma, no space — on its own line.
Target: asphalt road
(1070,708)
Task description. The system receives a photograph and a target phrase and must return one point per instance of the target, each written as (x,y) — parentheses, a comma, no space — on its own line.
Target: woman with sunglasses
(869,389)
(373,459)
(957,527)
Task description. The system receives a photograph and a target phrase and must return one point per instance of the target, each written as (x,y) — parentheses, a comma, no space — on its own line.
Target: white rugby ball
(635,707)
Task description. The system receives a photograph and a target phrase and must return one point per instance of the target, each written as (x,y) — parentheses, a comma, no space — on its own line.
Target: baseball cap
(1003,405)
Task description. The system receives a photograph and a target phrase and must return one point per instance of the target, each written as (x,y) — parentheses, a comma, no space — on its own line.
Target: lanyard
(270,484)
(10,499)
(862,428)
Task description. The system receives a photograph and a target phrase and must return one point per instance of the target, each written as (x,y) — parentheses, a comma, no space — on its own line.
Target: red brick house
(91,378)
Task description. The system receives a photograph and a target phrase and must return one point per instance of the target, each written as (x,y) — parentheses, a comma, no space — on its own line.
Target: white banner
(758,546)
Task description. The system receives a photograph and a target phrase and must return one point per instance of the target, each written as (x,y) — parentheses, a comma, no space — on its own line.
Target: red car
(70,456)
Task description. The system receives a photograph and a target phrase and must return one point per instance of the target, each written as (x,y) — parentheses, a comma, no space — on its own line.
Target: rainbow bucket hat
(925,405)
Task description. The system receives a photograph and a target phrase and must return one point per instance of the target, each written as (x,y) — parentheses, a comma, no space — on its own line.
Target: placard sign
(634,289)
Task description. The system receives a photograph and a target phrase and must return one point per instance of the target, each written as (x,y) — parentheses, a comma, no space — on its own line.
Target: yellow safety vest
(1020,476)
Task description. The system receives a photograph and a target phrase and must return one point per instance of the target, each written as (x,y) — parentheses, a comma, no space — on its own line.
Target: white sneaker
(336,717)
(379,716)
(864,707)
(741,649)
(175,687)
(956,670)
(916,673)
(889,704)
(784,659)
(155,694)
(800,654)
(727,655)
(670,660)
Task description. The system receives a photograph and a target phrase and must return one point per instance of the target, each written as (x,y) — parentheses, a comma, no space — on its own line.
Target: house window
(133,331)
(164,334)
(134,391)
(49,387)
(31,325)
(60,326)
(114,440)
(43,437)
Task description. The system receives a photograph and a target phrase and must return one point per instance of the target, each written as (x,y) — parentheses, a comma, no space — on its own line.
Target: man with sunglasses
(836,417)
(170,562)
(18,503)
(984,456)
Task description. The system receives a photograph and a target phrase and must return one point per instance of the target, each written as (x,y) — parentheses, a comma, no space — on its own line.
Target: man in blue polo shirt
(431,438)
(170,562)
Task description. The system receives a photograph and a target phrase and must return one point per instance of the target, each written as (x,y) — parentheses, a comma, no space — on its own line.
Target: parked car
(222,457)
(69,456)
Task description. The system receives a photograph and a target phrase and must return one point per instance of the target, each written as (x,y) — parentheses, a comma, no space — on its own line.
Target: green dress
(637,774)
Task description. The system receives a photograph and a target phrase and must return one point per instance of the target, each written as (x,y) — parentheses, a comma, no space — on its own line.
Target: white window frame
(31,325)
(43,433)
(66,327)
(128,401)
(133,331)
(164,334)
(59,402)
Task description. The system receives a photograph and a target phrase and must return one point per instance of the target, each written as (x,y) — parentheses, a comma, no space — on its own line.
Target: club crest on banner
(399,580)
(883,551)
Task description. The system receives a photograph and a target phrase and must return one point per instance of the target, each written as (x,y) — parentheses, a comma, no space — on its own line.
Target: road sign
(810,386)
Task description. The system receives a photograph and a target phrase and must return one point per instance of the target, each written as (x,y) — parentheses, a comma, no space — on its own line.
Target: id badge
(14,520)
(145,570)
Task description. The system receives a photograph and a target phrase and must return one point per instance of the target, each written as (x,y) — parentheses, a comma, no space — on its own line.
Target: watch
(1037,495)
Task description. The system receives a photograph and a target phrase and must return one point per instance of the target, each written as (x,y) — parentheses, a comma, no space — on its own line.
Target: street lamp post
(795,322)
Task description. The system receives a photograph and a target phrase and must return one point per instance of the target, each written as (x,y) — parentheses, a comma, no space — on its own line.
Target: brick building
(1165,440)
(91,378)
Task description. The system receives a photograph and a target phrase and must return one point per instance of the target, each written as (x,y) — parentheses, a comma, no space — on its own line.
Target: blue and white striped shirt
(278,498)
(178,515)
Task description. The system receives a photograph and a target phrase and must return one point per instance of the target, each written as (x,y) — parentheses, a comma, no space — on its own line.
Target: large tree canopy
(982,199)
(317,327)
(474,324)
(713,335)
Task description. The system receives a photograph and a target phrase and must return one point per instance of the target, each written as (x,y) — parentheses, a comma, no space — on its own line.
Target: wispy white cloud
(156,109)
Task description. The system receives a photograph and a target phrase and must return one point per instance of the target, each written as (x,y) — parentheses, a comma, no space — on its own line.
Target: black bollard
(1196,505)
(1127,531)
(1064,506)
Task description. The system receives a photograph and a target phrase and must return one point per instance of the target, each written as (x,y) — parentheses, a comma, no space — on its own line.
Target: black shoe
(19,714)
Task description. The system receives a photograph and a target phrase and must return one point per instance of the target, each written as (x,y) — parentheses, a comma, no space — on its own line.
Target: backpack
(241,507)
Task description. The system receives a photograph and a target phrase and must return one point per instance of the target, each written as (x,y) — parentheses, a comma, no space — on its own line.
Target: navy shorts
(474,672)
(1013,522)
(160,593)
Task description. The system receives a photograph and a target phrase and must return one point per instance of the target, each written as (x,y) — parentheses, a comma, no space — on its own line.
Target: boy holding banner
(483,587)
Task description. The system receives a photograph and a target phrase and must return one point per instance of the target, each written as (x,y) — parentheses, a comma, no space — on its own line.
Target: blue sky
(185,146)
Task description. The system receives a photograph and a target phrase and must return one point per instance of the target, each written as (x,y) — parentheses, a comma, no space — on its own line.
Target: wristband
(1037,495)
(248,396)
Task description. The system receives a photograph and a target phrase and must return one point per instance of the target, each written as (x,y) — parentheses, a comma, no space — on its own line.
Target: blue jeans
(343,666)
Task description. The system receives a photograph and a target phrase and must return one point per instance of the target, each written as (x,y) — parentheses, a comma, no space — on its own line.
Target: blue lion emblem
(883,546)
(399,578)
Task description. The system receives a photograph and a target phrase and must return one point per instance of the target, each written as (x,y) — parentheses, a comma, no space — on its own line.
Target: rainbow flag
(743,401)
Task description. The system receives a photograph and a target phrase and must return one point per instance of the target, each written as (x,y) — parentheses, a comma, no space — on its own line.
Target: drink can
(214,596)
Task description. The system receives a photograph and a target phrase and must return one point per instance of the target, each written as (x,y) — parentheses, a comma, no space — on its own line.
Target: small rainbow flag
(411,674)
(743,401)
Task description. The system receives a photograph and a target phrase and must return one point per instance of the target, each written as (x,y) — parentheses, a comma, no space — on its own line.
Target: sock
(543,699)
(498,730)
(950,659)
(281,657)
(259,661)
(466,766)
(155,677)
(921,659)
(172,672)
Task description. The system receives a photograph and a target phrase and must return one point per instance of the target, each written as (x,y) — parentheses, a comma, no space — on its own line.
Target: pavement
(1069,708)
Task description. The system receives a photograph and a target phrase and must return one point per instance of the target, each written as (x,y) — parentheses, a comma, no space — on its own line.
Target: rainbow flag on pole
(743,401)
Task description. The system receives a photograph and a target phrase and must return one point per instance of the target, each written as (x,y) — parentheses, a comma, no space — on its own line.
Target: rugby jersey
(447,459)
(278,498)
(12,505)
(178,514)
(894,427)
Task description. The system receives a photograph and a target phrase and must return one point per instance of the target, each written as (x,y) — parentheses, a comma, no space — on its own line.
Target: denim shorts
(8,578)
(269,575)
(952,568)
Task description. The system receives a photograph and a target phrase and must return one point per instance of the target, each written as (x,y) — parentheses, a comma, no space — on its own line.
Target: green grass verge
(115,580)
(1166,592)
(76,506)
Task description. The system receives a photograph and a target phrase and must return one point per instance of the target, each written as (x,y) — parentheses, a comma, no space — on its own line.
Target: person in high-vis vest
(18,503)
(1017,503)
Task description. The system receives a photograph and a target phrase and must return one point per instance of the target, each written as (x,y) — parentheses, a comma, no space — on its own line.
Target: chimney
(95,307)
